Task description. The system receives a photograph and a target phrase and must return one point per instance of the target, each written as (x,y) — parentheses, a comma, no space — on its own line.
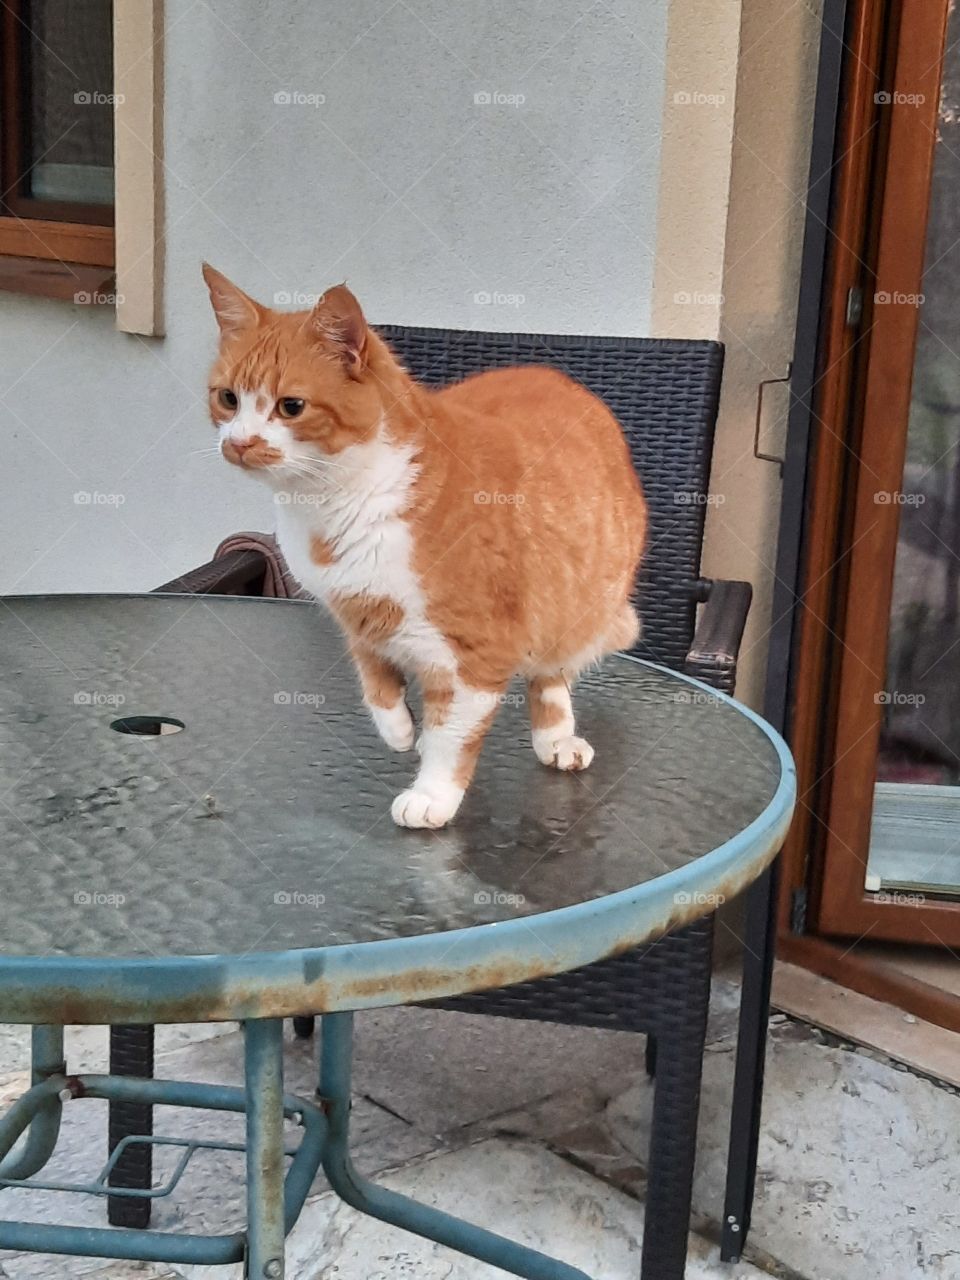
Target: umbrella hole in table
(147,726)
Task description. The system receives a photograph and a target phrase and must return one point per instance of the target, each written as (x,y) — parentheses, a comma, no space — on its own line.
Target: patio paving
(541,1132)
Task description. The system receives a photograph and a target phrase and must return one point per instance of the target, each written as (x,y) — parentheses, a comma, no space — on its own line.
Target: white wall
(399,181)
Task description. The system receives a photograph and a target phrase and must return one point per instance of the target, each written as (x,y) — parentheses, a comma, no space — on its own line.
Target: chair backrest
(665,394)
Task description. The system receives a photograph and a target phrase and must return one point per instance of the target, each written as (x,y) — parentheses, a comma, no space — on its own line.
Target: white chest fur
(358,517)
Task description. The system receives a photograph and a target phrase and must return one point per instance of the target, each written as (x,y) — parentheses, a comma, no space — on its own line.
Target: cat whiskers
(318,464)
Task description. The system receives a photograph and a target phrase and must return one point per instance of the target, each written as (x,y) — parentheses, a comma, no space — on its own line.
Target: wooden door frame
(863,623)
(856,241)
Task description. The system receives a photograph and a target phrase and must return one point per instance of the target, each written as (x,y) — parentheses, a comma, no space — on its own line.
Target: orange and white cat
(460,537)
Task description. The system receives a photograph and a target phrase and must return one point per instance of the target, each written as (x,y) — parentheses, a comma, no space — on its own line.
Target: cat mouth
(251,454)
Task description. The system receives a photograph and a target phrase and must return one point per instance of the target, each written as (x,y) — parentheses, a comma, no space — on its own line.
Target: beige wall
(745,167)
(699,95)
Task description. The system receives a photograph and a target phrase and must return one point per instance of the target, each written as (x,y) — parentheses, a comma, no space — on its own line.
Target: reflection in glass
(915,840)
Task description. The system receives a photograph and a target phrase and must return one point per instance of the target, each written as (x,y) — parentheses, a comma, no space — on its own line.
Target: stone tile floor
(541,1132)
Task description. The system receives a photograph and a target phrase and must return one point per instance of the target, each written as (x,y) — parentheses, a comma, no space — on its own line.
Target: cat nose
(234,450)
(242,447)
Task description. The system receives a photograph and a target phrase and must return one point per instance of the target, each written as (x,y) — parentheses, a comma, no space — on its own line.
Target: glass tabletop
(263,824)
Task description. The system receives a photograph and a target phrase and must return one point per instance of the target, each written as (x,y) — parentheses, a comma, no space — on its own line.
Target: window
(56,142)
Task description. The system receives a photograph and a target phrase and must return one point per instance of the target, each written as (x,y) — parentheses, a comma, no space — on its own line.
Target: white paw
(570,754)
(415,808)
(395,725)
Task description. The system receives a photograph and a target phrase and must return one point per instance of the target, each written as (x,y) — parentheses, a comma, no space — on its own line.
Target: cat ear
(338,319)
(234,310)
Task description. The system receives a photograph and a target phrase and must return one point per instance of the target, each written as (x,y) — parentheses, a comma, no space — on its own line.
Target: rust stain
(223,1001)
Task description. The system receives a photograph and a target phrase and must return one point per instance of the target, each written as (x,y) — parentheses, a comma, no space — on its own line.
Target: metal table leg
(389,1206)
(759,946)
(263,1058)
(46,1060)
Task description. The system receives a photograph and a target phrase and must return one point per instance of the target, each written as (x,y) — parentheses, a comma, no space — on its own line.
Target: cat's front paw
(571,754)
(395,725)
(413,808)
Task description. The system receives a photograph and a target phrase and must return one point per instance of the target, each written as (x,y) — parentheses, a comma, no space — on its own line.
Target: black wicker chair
(665,394)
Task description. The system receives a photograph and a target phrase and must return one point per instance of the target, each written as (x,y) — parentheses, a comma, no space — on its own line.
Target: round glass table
(195,826)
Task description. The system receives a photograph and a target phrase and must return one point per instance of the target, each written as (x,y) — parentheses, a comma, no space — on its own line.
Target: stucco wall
(424,195)
(776,81)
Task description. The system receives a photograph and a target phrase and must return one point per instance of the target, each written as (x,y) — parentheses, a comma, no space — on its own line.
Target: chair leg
(676,1104)
(759,947)
(131,1054)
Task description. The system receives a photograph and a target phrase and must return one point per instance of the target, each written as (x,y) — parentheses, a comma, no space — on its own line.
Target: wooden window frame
(73,235)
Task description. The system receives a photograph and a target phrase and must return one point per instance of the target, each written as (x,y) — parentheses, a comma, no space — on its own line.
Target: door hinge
(854,312)
(798,911)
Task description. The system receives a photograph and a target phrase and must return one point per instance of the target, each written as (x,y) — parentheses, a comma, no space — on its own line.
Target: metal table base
(274,1199)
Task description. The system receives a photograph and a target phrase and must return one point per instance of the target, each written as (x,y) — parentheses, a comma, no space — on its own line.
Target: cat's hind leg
(383,692)
(555,739)
(554,730)
(456,718)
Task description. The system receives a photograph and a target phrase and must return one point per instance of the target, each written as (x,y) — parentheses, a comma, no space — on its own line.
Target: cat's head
(289,390)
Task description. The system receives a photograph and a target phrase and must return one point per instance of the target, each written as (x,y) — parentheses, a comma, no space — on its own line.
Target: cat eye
(290,407)
(228,399)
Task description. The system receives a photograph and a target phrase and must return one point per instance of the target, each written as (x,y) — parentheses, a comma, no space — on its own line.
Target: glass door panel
(915,834)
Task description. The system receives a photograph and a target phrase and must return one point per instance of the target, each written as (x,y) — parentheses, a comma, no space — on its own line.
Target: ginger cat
(460,537)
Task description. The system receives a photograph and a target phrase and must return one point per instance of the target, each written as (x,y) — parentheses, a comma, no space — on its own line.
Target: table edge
(219,988)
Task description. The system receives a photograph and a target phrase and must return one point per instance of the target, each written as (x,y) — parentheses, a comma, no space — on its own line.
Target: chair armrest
(239,573)
(716,641)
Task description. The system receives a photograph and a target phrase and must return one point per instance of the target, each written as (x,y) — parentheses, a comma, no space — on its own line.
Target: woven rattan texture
(719,672)
(646,989)
(665,395)
(131,1054)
